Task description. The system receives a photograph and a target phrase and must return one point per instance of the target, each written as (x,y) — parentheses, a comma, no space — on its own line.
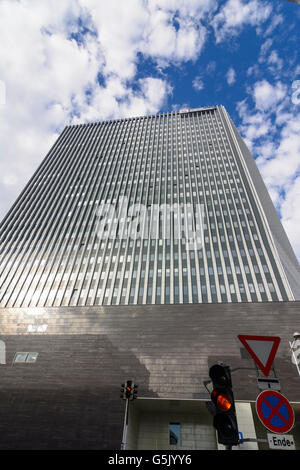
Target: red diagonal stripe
(274,411)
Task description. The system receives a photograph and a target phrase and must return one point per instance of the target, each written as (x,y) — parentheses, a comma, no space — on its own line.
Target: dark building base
(70,397)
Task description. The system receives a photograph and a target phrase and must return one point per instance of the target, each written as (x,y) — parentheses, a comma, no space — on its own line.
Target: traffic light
(135,391)
(123,392)
(223,400)
(129,390)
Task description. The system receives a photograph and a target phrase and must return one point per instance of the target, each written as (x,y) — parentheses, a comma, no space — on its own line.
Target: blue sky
(77,61)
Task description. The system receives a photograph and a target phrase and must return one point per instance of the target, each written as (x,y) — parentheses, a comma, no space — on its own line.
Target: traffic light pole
(128,393)
(125,426)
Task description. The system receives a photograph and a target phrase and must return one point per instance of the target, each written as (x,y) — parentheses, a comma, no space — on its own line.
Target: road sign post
(265,383)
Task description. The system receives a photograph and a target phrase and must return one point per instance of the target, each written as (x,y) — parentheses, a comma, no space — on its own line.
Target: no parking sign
(275,411)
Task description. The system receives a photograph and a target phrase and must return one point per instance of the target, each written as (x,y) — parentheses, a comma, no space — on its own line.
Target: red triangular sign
(262,349)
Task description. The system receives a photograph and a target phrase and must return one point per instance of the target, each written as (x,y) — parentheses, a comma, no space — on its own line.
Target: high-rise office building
(159,209)
(140,249)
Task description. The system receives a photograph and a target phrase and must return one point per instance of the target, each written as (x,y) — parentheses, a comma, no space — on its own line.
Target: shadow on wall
(70,397)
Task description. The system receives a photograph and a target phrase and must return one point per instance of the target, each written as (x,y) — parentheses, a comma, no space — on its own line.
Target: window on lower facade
(174,434)
(21,357)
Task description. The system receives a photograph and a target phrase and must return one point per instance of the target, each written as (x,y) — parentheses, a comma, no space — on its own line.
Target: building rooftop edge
(181,111)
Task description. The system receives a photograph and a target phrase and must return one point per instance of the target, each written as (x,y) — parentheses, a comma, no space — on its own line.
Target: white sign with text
(281,441)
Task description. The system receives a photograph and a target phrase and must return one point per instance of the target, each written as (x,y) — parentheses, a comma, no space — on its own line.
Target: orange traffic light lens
(128,389)
(223,402)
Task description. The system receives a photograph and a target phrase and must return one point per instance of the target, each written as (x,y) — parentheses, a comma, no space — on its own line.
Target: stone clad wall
(70,398)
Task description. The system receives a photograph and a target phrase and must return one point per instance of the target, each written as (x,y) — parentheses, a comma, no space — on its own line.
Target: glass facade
(98,222)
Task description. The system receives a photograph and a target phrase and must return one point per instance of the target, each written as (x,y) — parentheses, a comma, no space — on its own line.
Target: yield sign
(262,349)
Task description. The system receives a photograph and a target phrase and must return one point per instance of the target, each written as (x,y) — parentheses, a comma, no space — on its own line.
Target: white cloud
(276,63)
(270,57)
(120,27)
(192,8)
(40,85)
(168,31)
(50,69)
(282,168)
(267,96)
(235,14)
(272,132)
(163,41)
(198,83)
(231,76)
(264,48)
(277,19)
(255,124)
(211,67)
